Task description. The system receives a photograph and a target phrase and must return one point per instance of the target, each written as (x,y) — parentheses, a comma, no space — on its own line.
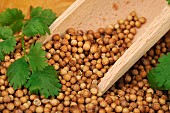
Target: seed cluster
(82,59)
(89,55)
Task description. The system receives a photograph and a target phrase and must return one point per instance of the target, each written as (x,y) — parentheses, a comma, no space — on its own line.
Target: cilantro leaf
(35,26)
(8,40)
(44,82)
(168,1)
(159,77)
(152,80)
(5,32)
(46,15)
(16,27)
(12,18)
(18,73)
(8,45)
(1,55)
(37,57)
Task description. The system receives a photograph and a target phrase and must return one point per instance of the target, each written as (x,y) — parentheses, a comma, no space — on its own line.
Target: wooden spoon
(93,14)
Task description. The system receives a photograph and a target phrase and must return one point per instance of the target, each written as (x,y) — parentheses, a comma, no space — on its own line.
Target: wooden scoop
(92,14)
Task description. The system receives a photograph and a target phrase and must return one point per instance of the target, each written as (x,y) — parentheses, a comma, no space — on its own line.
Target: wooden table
(58,6)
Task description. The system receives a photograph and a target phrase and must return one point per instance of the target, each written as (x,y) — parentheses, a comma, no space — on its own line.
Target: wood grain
(92,14)
(58,6)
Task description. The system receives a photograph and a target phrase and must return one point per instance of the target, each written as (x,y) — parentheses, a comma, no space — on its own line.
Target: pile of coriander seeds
(82,59)
(91,54)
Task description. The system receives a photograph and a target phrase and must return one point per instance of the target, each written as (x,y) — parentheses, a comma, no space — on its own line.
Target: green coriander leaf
(12,18)
(1,55)
(159,77)
(168,1)
(16,27)
(7,41)
(35,26)
(44,82)
(167,84)
(5,32)
(152,80)
(37,57)
(8,45)
(46,15)
(18,73)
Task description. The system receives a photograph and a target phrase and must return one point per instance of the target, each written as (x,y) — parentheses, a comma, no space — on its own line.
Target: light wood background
(58,6)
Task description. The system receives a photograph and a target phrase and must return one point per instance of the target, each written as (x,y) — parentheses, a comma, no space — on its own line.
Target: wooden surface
(58,6)
(92,14)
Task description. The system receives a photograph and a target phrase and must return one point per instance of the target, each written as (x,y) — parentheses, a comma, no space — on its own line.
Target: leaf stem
(23,44)
(19,36)
(26,19)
